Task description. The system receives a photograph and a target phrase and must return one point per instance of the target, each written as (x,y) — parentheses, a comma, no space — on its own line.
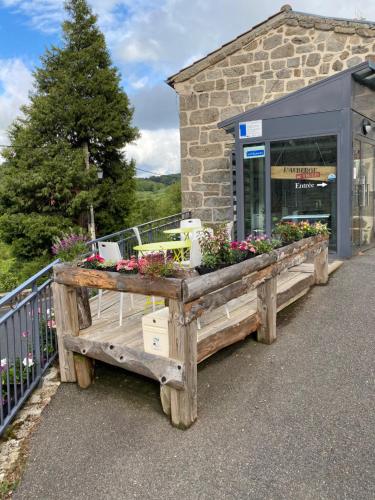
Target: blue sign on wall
(243,130)
(254,152)
(249,130)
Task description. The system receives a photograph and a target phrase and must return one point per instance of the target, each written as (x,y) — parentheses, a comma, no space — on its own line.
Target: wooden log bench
(188,299)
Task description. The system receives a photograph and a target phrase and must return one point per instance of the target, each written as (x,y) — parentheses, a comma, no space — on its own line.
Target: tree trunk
(91,224)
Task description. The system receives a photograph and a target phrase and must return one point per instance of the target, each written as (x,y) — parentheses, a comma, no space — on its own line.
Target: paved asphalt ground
(294,420)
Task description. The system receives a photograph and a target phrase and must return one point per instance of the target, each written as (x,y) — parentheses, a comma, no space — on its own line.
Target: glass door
(254,188)
(304,181)
(363,228)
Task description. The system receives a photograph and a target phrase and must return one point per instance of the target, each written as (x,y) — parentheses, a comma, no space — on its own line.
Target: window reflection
(304,181)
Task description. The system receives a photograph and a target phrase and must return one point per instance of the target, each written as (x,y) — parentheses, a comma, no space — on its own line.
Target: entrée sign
(304,173)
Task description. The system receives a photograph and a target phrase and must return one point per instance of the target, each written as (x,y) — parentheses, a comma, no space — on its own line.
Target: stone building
(288,51)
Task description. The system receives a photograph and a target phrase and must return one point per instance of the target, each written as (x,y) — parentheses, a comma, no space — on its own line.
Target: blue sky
(148,40)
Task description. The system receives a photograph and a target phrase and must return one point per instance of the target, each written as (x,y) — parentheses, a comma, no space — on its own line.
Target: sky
(149,40)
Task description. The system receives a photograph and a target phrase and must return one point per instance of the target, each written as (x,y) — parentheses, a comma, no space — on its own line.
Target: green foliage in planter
(288,232)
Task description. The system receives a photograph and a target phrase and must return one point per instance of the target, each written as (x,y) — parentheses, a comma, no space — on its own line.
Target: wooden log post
(183,347)
(267,309)
(72,369)
(66,316)
(84,370)
(321,267)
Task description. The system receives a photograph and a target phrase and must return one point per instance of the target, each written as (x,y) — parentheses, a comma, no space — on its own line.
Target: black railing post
(36,326)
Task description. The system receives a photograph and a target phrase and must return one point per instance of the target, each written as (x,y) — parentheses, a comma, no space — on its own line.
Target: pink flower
(252,249)
(25,334)
(51,323)
(234,245)
(127,264)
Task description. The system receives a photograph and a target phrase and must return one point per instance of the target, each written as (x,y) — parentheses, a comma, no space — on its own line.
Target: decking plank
(291,285)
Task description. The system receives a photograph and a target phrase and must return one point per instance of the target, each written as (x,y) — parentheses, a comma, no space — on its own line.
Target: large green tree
(77,123)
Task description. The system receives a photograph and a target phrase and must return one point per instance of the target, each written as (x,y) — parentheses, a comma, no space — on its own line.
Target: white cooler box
(155,332)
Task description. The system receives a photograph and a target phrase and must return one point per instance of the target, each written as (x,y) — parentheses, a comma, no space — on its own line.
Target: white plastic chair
(110,251)
(137,235)
(229,228)
(195,253)
(190,223)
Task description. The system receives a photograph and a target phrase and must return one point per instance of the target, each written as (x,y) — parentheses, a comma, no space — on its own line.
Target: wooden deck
(215,325)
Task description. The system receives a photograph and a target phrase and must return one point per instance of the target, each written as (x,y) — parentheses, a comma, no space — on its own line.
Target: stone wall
(278,59)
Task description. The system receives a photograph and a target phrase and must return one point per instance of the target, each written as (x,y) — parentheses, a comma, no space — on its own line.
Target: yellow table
(177,247)
(183,230)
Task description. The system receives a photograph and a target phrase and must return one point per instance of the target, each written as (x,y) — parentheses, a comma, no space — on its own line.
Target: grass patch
(7,489)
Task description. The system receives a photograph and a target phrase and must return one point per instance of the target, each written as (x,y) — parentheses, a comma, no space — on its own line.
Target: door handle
(362,191)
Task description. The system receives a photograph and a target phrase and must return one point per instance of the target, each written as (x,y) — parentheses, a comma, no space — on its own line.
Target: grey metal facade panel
(344,185)
(239,188)
(293,127)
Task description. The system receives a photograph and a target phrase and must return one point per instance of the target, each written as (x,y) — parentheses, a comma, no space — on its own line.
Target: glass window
(363,227)
(254,188)
(304,181)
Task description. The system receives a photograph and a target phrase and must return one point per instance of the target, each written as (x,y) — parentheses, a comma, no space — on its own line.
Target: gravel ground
(294,420)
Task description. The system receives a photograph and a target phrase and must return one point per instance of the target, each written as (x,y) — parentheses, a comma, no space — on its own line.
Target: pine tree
(78,122)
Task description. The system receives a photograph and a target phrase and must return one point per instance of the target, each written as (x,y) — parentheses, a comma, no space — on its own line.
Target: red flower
(95,257)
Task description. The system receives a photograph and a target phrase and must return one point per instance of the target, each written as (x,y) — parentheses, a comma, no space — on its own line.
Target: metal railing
(28,342)
(149,232)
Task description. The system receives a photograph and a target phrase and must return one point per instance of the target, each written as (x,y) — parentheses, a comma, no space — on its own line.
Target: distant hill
(167,179)
(157,182)
(156,197)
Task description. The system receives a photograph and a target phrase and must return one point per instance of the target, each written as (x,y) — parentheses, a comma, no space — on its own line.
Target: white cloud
(157,151)
(16,82)
(167,37)
(151,39)
(140,83)
(44,15)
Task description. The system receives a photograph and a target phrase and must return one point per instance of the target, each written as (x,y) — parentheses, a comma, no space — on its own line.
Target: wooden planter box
(188,299)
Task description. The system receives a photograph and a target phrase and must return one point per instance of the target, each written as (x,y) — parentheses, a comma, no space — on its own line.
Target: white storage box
(155,332)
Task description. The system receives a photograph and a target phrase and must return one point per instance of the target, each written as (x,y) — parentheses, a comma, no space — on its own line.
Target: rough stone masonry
(285,53)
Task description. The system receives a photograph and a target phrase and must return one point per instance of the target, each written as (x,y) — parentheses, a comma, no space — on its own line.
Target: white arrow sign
(323,185)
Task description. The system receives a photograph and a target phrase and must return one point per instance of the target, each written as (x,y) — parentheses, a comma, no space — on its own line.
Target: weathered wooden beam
(66,317)
(194,288)
(91,278)
(321,267)
(183,346)
(84,370)
(267,295)
(229,292)
(84,310)
(286,297)
(227,336)
(165,398)
(165,370)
